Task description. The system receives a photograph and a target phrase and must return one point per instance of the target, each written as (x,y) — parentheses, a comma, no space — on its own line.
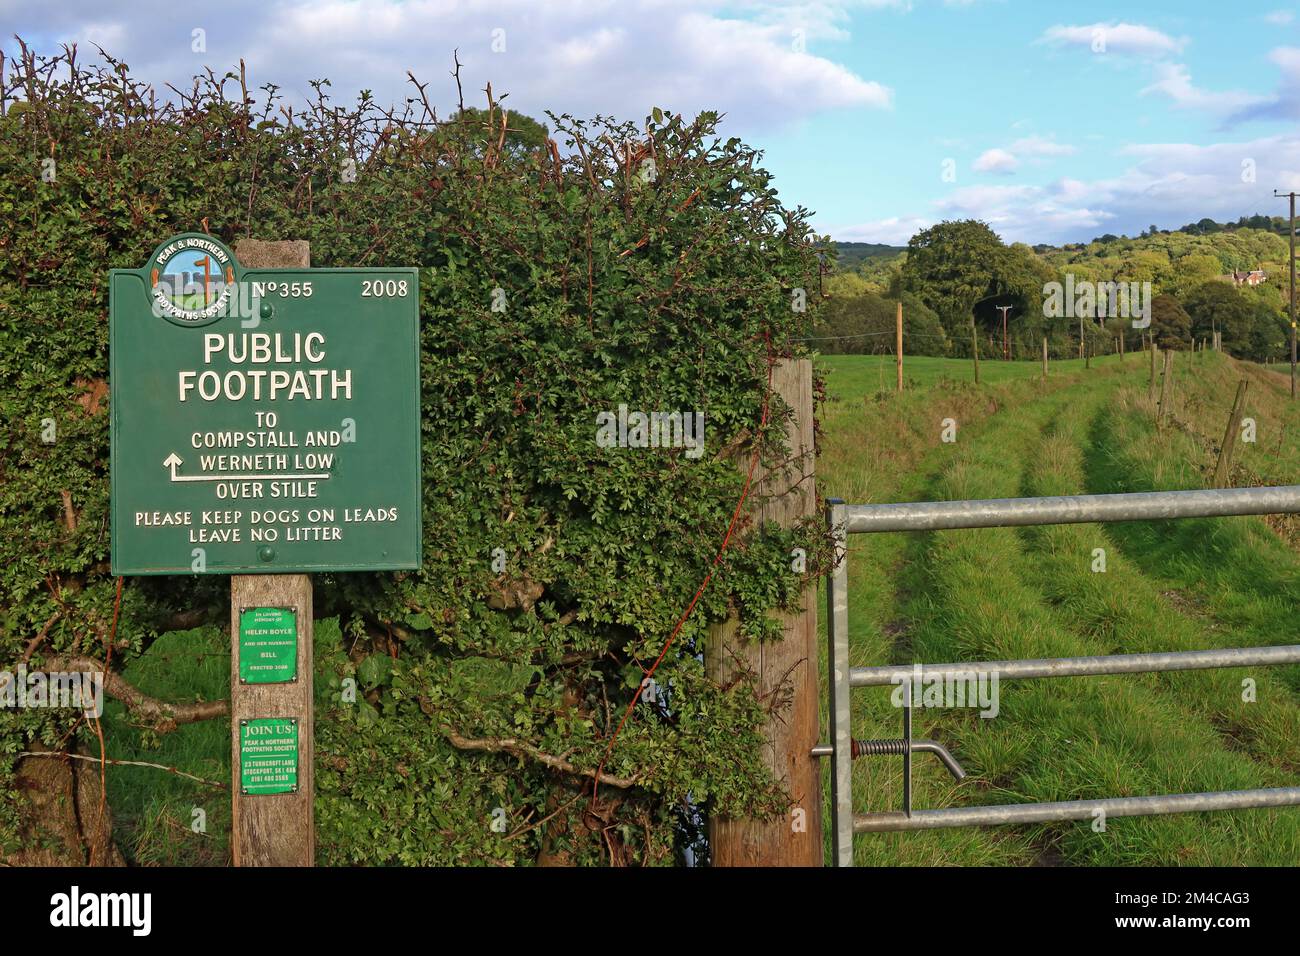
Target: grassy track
(1000,593)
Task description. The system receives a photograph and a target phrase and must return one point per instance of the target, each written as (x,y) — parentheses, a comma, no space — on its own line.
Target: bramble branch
(162,715)
(510,745)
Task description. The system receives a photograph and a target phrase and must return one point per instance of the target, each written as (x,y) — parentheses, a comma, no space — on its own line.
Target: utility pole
(1006,349)
(1291,235)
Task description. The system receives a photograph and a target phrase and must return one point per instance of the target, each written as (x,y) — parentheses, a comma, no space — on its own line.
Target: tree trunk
(62,823)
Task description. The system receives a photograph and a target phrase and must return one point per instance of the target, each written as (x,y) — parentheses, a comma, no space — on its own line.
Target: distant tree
(948,266)
(1170,323)
(1145,264)
(1193,270)
(523,133)
(961,270)
(865,323)
(1218,306)
(1269,332)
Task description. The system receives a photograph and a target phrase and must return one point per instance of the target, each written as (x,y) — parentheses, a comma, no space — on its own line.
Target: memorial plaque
(268,755)
(268,645)
(263,420)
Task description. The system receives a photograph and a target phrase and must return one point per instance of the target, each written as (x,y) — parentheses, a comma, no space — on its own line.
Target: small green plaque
(268,645)
(268,755)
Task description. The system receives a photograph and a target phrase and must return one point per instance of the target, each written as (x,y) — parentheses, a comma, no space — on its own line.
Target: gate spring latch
(903,746)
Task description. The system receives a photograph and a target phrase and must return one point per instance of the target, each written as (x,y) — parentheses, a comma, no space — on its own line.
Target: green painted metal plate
(263,420)
(268,645)
(268,755)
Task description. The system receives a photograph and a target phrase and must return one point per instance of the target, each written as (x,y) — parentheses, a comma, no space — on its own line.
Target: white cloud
(1284,103)
(1127,39)
(1168,184)
(618,57)
(997,161)
(1004,162)
(894,231)
(730,60)
(1279,18)
(1174,80)
(817,19)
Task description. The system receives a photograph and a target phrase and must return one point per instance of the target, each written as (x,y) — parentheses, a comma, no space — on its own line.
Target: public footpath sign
(263,420)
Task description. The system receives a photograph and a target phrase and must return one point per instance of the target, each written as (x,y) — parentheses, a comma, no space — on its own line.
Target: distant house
(1253,277)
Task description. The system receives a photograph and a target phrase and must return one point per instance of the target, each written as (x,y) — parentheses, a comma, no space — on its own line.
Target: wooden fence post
(1151,385)
(786,671)
(1166,388)
(1223,467)
(273,829)
(975,350)
(898,325)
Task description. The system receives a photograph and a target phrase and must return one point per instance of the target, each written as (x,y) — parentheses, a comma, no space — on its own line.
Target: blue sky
(1052,121)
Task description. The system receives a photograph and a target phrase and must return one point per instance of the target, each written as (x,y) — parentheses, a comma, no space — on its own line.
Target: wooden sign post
(265,425)
(271,829)
(272,821)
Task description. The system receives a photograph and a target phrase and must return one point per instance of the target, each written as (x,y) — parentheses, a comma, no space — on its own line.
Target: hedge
(651,264)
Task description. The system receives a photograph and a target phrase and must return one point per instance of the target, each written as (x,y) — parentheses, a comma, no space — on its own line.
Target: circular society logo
(191,280)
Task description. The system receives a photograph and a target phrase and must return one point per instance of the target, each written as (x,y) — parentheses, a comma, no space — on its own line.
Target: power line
(864,335)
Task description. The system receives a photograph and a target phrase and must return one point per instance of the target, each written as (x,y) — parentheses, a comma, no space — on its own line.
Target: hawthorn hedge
(561,274)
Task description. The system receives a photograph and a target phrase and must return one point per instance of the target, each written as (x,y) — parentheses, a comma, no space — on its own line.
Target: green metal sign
(268,645)
(263,420)
(268,755)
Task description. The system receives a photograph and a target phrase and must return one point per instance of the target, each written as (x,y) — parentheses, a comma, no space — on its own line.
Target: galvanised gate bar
(1019,512)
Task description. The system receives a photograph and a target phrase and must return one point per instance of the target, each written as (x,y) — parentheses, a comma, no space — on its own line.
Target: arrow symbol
(172,461)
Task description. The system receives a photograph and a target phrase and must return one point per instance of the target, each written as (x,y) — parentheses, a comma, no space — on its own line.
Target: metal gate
(1019,512)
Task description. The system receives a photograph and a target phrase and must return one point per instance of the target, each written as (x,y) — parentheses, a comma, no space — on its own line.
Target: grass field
(865,374)
(1009,593)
